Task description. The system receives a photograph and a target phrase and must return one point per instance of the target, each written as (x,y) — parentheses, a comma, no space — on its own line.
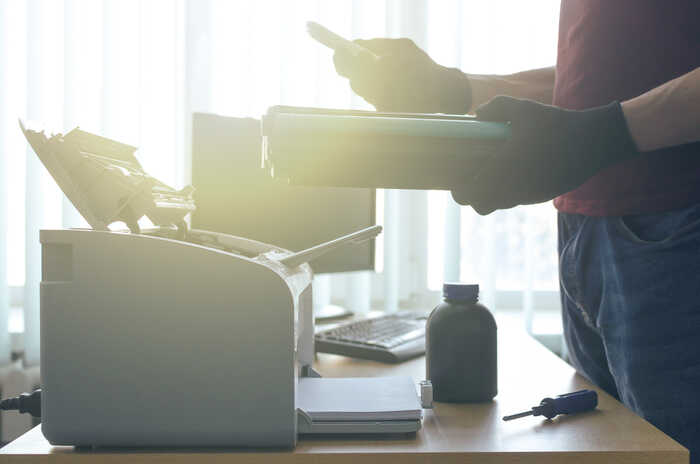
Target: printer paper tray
(357,405)
(359,427)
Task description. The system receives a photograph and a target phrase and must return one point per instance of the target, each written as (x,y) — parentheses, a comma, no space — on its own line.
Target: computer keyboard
(392,338)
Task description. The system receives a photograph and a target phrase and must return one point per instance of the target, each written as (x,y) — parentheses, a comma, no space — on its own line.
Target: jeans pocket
(660,228)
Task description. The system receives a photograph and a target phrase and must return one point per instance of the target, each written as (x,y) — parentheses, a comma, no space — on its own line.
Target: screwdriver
(568,403)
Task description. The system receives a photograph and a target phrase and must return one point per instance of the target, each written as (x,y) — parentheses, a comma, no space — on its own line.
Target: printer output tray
(357,405)
(311,146)
(359,427)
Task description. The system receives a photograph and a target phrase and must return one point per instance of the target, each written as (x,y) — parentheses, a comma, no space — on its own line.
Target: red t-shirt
(616,50)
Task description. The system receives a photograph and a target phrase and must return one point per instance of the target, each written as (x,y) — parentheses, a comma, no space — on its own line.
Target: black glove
(403,78)
(550,151)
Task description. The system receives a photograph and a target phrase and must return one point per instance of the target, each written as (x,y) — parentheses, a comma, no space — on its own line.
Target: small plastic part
(304,421)
(426,394)
(308,371)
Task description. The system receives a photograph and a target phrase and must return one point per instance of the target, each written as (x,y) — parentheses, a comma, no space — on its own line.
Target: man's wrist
(666,115)
(481,90)
(534,84)
(457,94)
(634,115)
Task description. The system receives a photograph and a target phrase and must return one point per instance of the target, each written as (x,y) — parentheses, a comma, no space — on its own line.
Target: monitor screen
(236,196)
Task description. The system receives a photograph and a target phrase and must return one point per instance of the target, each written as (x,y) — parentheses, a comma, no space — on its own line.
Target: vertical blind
(136,70)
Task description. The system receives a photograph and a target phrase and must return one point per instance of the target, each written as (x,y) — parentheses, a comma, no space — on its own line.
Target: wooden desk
(451,433)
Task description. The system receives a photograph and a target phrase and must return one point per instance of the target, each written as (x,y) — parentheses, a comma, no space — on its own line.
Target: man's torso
(616,51)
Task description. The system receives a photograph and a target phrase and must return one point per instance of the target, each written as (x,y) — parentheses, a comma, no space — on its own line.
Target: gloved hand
(403,78)
(550,151)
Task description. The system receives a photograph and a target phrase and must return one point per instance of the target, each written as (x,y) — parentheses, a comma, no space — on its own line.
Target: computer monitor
(236,196)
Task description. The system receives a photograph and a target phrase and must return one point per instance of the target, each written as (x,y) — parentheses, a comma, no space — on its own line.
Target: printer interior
(106,183)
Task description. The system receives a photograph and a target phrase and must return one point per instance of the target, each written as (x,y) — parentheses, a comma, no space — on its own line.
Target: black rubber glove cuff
(603,136)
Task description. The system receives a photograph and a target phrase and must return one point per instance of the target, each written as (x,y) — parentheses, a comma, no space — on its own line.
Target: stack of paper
(359,399)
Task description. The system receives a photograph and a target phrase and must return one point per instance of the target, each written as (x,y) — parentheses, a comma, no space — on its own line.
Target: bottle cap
(460,291)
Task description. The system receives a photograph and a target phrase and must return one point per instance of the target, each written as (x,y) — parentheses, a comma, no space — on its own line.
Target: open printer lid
(105,182)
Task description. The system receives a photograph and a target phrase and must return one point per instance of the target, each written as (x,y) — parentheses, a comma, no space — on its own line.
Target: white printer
(167,336)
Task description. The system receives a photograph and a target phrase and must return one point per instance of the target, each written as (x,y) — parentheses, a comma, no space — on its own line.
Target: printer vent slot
(57,262)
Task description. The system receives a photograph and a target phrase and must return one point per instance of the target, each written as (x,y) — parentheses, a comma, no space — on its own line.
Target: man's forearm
(666,115)
(535,84)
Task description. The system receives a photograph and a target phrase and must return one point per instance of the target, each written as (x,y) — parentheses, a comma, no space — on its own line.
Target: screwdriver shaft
(517,416)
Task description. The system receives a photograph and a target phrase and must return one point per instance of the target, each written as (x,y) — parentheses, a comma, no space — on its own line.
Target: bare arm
(535,84)
(666,115)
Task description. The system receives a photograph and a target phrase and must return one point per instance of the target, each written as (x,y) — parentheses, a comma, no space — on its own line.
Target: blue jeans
(630,289)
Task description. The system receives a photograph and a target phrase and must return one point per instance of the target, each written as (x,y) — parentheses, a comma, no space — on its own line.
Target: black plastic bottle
(461,347)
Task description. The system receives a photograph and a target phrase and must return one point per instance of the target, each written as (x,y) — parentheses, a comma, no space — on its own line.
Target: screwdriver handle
(569,403)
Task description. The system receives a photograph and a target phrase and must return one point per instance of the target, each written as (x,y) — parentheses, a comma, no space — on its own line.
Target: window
(134,71)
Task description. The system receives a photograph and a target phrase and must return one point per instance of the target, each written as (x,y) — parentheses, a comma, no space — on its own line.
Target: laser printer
(162,335)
